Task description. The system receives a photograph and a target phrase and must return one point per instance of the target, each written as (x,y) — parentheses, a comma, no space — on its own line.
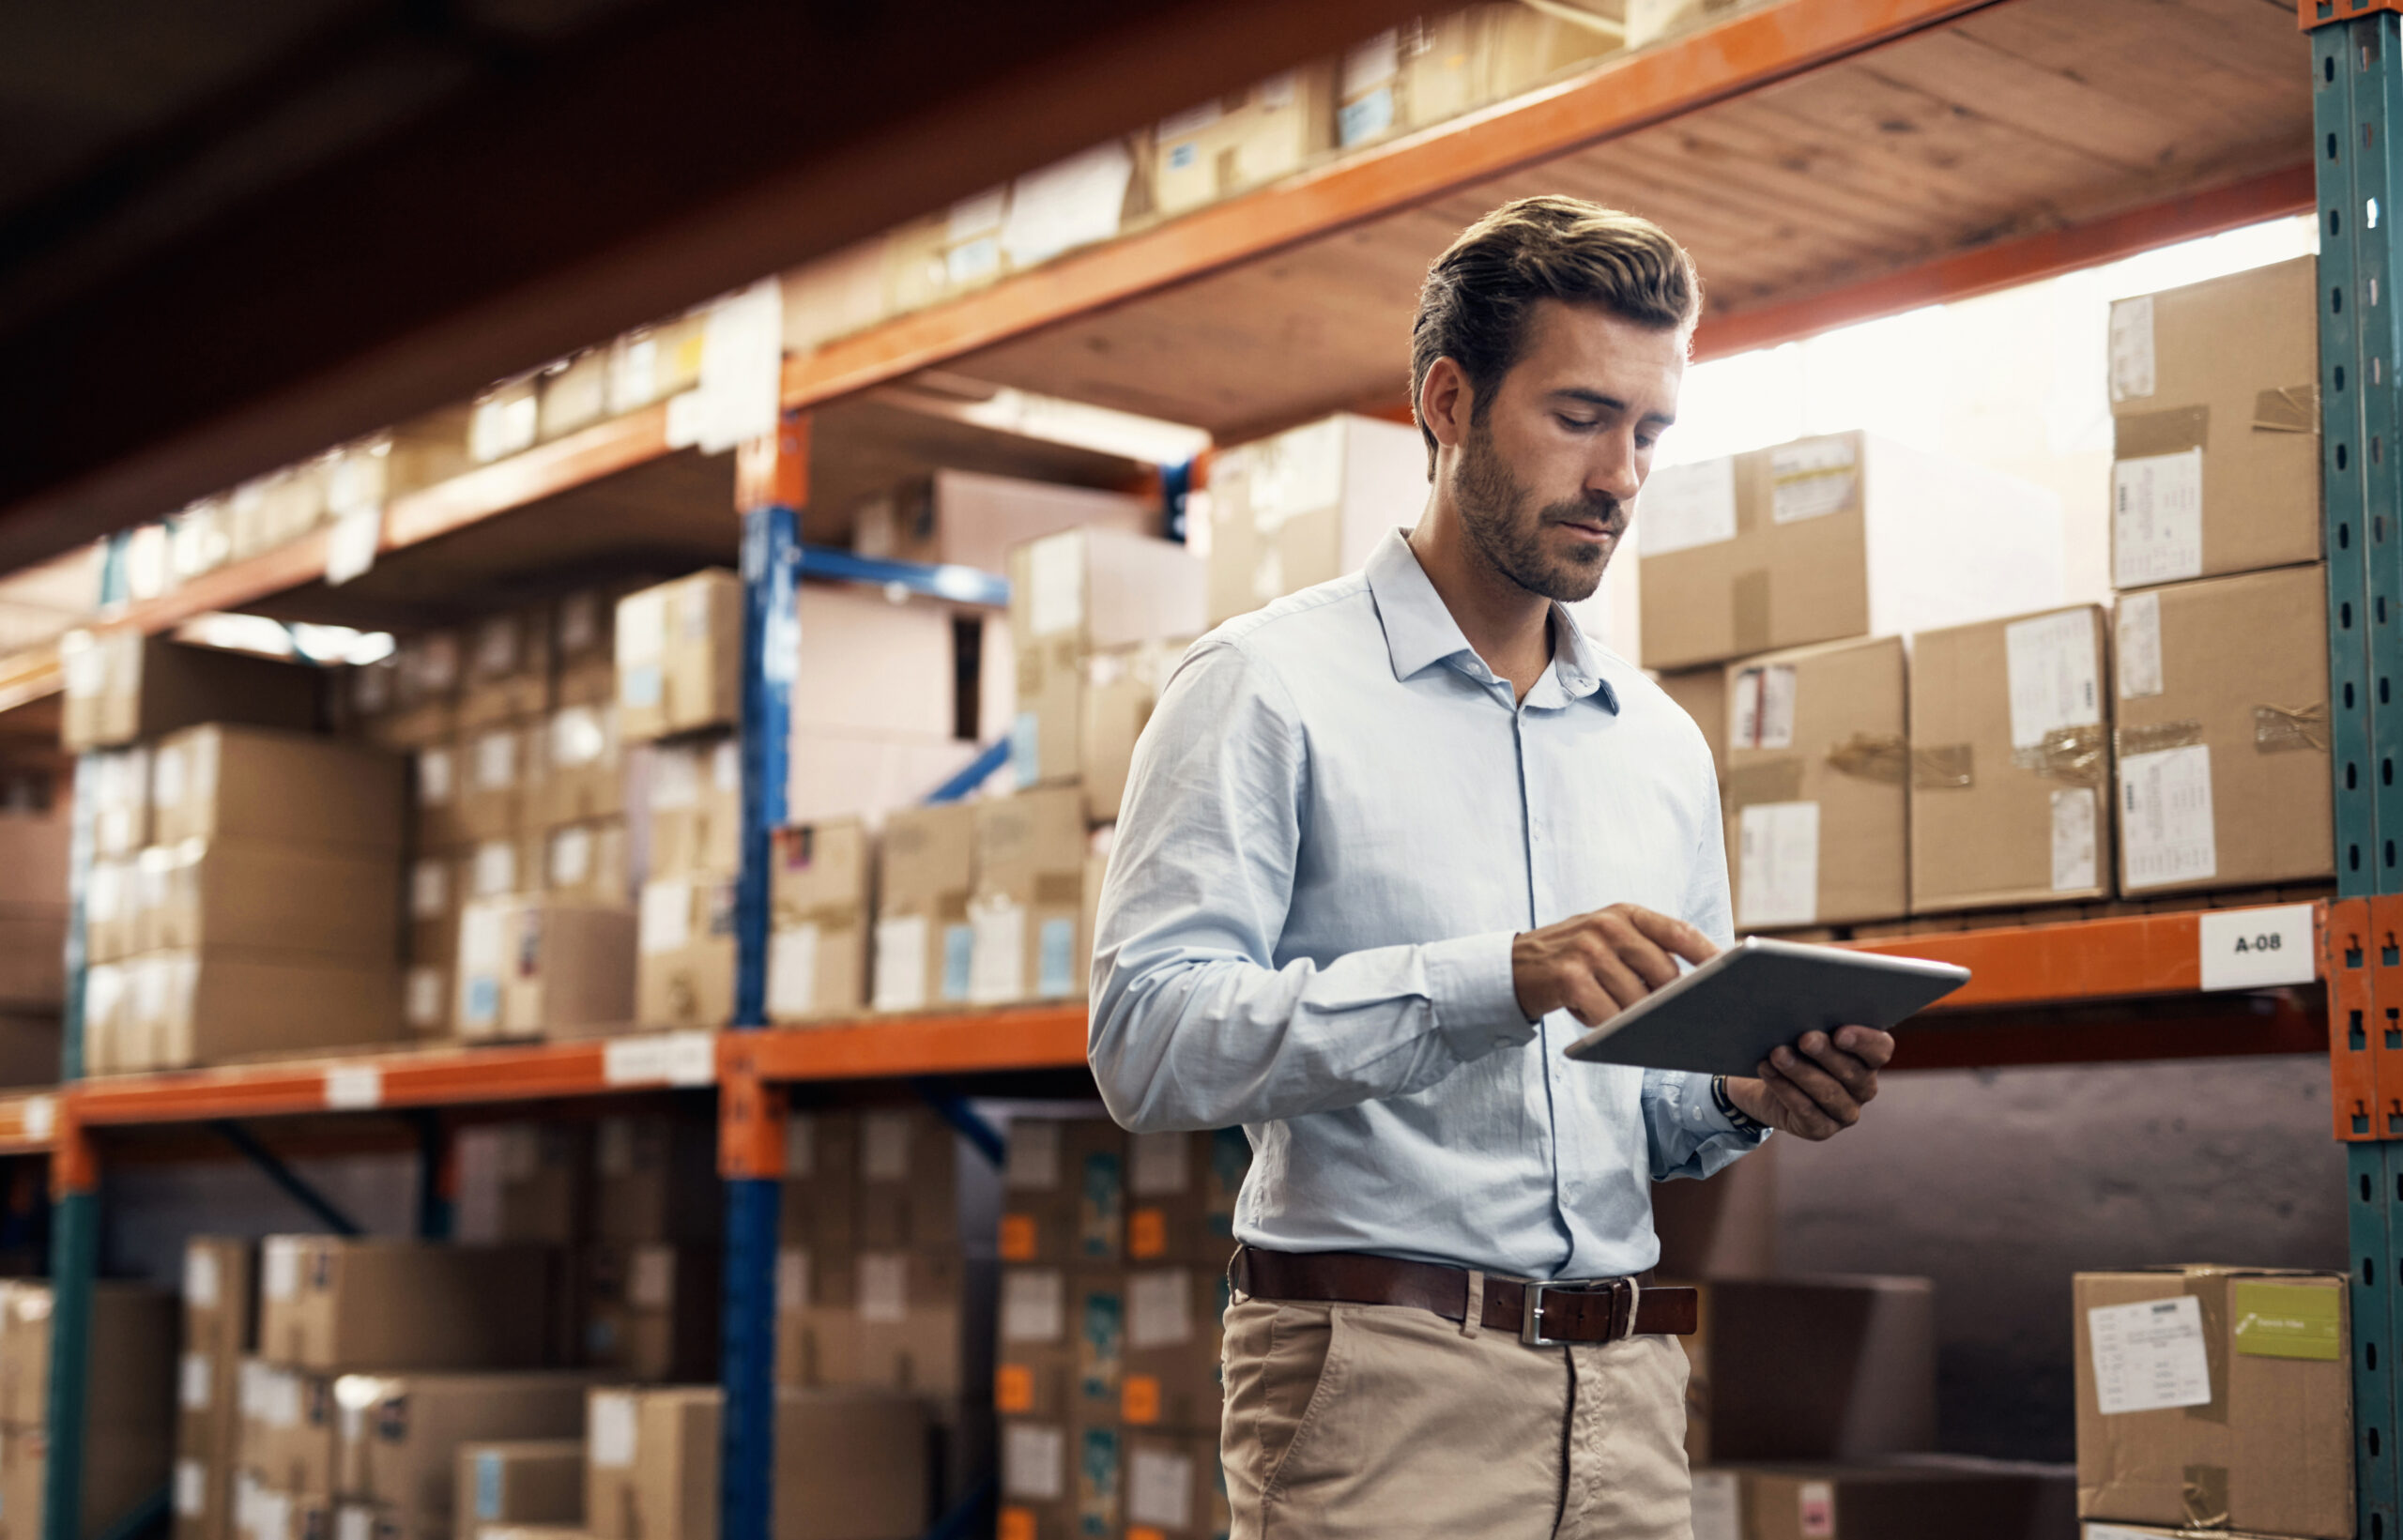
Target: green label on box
(2289,1320)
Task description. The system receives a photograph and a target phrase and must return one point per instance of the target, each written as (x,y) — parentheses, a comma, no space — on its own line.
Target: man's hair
(1473,308)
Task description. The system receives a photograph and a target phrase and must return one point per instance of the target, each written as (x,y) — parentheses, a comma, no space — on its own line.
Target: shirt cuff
(1476,1001)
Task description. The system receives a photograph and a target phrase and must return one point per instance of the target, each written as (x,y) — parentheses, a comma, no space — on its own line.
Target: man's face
(1549,472)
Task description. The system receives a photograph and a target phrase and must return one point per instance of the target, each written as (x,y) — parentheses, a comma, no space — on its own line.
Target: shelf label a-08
(2256,949)
(661,1058)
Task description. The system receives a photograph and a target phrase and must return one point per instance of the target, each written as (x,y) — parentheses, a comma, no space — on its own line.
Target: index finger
(1867,1044)
(1672,935)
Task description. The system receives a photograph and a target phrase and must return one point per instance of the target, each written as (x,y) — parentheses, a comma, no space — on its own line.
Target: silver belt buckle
(1531,1310)
(1531,1315)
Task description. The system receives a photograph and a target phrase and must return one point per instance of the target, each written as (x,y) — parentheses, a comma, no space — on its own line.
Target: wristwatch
(1729,1110)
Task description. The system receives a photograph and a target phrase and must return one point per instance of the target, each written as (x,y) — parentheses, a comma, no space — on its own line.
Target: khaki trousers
(1387,1421)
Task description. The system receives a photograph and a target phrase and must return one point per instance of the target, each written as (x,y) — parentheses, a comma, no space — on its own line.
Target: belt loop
(1634,1298)
(1238,1276)
(1473,1319)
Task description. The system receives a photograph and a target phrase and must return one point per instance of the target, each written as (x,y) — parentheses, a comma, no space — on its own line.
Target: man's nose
(1613,473)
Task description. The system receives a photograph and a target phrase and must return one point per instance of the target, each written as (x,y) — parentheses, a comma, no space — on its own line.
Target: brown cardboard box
(1843,535)
(33,850)
(654,362)
(2221,738)
(1181,1191)
(353,1304)
(649,1312)
(1176,1487)
(431,669)
(33,944)
(934,258)
(680,653)
(220,1295)
(123,1468)
(909,1180)
(122,685)
(1075,593)
(544,1182)
(685,972)
(851,1464)
(1063,1192)
(1721,1227)
(1833,1368)
(2008,749)
(2215,1394)
(583,774)
(332,901)
(1225,146)
(130,1382)
(437,776)
(1702,694)
(870,665)
(1173,1332)
(965,519)
(496,764)
(1903,1500)
(925,867)
(1306,506)
(1061,1343)
(570,394)
(498,868)
(656,1180)
(652,1463)
(818,922)
(584,649)
(504,422)
(910,1321)
(2215,426)
(818,1323)
(113,909)
(588,864)
(118,782)
(537,967)
(1814,775)
(1121,685)
(694,806)
(209,1005)
(291,1428)
(1060,1479)
(1026,917)
(820,1200)
(519,1481)
(508,668)
(437,890)
(219,782)
(401,1433)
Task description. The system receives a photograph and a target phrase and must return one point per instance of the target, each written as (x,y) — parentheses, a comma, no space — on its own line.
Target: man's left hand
(1819,1091)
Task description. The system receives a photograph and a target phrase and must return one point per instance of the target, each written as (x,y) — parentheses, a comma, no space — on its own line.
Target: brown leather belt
(1542,1314)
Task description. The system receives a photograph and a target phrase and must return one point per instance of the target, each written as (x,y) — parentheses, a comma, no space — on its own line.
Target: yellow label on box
(1017,1524)
(1017,1238)
(1138,1399)
(1013,1388)
(2289,1320)
(1147,1233)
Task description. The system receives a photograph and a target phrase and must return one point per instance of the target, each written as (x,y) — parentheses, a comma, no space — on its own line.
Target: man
(1389,846)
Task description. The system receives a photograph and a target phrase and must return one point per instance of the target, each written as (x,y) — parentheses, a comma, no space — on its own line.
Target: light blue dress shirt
(1337,821)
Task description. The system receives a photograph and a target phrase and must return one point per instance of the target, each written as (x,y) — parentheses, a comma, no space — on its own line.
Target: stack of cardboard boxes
(35,824)
(128,1403)
(221,1325)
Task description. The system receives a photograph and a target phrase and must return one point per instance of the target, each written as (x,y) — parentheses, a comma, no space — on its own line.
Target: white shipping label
(1773,718)
(997,959)
(1159,1307)
(1055,582)
(352,1086)
(167,778)
(609,1438)
(352,542)
(2132,372)
(1159,1166)
(1718,1514)
(901,963)
(1034,1305)
(2253,949)
(429,888)
(1814,1510)
(741,362)
(1034,1461)
(1744,710)
(1685,506)
(40,1117)
(2157,519)
(497,761)
(495,872)
(792,1279)
(884,1287)
(436,783)
(642,627)
(570,857)
(2076,857)
(355,1522)
(793,971)
(203,1280)
(666,923)
(1159,1490)
(978,216)
(282,1264)
(653,1284)
(2148,1355)
(193,1383)
(885,1146)
(726,767)
(2055,680)
(1034,1161)
(2139,649)
(1778,865)
(192,1489)
(2165,826)
(1814,478)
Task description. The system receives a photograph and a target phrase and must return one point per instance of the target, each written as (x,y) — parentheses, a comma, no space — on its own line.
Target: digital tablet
(1725,1017)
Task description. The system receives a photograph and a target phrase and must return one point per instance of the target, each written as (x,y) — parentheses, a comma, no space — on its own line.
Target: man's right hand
(1597,965)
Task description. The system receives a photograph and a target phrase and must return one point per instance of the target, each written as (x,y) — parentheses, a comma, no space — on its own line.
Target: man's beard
(1494,512)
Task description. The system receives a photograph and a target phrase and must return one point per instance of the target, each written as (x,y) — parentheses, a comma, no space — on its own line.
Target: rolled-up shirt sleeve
(1194,1023)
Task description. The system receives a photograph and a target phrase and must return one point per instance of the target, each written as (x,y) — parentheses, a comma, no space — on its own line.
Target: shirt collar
(1419,628)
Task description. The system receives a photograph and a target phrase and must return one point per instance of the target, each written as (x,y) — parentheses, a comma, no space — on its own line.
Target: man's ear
(1445,401)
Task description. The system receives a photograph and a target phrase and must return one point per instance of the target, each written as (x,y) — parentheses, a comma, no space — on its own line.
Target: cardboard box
(432,669)
(1947,1496)
(684,971)
(588,863)
(1721,1227)
(1120,687)
(505,421)
(817,1322)
(932,259)
(508,668)
(121,686)
(1025,922)
(538,969)
(113,909)
(209,1005)
(543,1181)
(1075,593)
(1181,1192)
(1702,695)
(817,893)
(437,890)
(219,782)
(1307,506)
(1060,1479)
(584,649)
(220,1295)
(654,362)
(851,1465)
(1063,1192)
(570,394)
(519,1481)
(130,1382)
(2221,738)
(1224,147)
(330,901)
(693,803)
(925,867)
(2010,750)
(329,1302)
(680,656)
(649,1312)
(874,776)
(502,868)
(870,665)
(118,782)
(656,1180)
(401,1433)
(1176,1487)
(2215,1395)
(1061,1343)
(437,777)
(909,1180)
(123,1468)
(1813,786)
(1843,535)
(291,1428)
(964,519)
(496,766)
(1175,1328)
(34,840)
(2215,426)
(911,1322)
(583,774)
(820,1199)
(1829,1368)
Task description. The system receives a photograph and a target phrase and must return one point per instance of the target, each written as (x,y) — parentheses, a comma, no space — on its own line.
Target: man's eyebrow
(1595,398)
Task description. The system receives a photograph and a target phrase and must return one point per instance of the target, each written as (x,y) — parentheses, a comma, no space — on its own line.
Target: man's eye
(1577,424)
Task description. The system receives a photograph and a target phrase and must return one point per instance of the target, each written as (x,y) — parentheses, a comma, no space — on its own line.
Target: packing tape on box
(2149,433)
(2293,410)
(1947,767)
(2153,737)
(2078,756)
(2205,1494)
(1777,780)
(1883,757)
(2277,729)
